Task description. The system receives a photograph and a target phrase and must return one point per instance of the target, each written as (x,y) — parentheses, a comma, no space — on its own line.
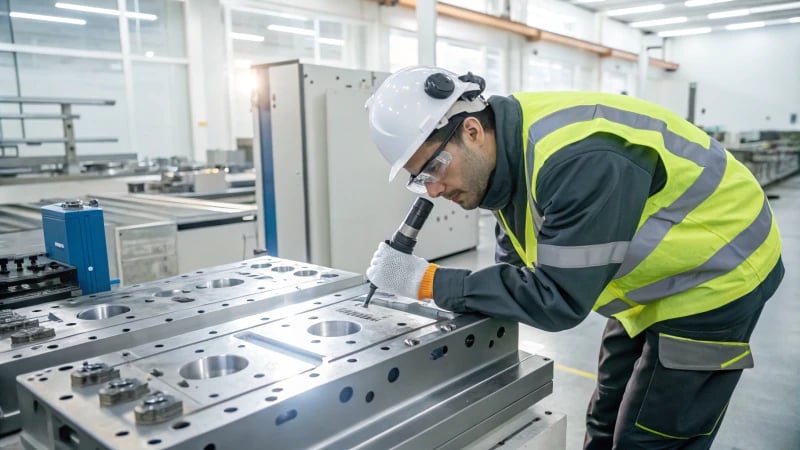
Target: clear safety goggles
(434,168)
(432,172)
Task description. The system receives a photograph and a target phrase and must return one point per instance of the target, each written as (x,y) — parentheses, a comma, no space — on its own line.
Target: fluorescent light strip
(330,41)
(731,13)
(777,7)
(794,20)
(744,26)
(693,3)
(685,32)
(106,11)
(578,2)
(247,37)
(635,10)
(657,22)
(293,30)
(22,15)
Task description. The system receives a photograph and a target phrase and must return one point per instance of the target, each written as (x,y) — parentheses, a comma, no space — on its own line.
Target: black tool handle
(405,238)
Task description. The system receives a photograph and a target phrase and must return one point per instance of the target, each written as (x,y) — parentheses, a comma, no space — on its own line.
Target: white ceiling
(697,17)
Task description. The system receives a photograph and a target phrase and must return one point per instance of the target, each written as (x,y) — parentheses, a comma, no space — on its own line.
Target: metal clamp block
(156,408)
(121,391)
(32,334)
(17,325)
(94,373)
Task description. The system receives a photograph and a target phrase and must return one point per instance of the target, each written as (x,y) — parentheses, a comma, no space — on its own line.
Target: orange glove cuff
(426,286)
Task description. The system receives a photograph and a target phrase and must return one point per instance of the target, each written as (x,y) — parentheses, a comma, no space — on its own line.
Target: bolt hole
(547,413)
(159,346)
(258,375)
(277,390)
(212,332)
(154,441)
(180,425)
(130,317)
(352,360)
(52,346)
(251,299)
(64,368)
(17,356)
(125,330)
(501,332)
(122,433)
(346,394)
(401,324)
(393,375)
(199,350)
(491,343)
(210,447)
(231,410)
(91,338)
(271,398)
(213,395)
(350,342)
(65,397)
(546,359)
(168,319)
(385,348)
(469,341)
(370,396)
(314,375)
(285,417)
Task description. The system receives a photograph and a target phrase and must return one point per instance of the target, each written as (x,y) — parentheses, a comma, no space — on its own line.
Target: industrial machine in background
(271,351)
(770,154)
(323,190)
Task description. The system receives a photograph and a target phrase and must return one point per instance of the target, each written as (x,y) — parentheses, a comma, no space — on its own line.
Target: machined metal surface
(96,324)
(320,374)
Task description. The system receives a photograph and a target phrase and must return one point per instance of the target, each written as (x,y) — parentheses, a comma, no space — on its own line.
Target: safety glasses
(434,168)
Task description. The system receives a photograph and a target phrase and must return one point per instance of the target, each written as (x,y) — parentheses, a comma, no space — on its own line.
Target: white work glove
(396,272)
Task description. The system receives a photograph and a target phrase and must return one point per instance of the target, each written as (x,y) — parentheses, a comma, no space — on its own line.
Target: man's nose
(435,189)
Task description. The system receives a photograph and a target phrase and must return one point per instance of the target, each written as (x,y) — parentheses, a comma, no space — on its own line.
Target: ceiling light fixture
(106,11)
(777,7)
(685,32)
(330,41)
(247,37)
(293,30)
(744,26)
(43,18)
(657,22)
(635,10)
(693,3)
(794,20)
(731,13)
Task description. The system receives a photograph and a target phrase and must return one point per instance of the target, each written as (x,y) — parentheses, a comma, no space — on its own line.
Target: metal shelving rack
(71,161)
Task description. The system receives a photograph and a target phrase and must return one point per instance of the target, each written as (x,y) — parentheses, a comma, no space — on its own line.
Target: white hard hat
(413,102)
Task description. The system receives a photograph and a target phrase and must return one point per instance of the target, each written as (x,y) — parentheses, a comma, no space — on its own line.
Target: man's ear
(473,130)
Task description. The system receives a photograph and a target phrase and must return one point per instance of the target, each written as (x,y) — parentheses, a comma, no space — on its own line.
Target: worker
(603,202)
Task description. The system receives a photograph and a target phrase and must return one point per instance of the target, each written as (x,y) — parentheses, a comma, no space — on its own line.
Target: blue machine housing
(74,234)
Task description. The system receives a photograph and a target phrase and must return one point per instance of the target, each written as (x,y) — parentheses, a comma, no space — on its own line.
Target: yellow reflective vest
(705,239)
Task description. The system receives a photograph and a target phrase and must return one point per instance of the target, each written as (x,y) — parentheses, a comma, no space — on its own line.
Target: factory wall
(746,79)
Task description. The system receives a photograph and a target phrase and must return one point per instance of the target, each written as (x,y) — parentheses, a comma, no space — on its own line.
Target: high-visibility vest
(705,239)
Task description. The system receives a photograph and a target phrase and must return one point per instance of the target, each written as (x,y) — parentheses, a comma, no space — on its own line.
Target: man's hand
(401,274)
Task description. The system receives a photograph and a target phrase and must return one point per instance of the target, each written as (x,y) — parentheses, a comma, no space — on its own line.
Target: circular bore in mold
(283,269)
(171,292)
(305,273)
(334,328)
(101,312)
(213,367)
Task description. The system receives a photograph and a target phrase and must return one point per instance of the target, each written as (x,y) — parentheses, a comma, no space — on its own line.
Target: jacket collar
(508,135)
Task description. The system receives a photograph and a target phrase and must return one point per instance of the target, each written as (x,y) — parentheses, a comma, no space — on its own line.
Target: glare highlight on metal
(731,13)
(694,3)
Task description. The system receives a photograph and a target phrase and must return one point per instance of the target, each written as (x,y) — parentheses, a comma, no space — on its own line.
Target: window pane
(59,76)
(261,38)
(71,25)
(156,27)
(548,75)
(163,124)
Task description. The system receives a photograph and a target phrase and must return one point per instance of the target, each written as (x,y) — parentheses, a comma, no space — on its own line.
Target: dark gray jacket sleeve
(504,251)
(588,196)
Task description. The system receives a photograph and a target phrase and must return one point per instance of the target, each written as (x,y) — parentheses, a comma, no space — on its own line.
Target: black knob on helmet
(439,86)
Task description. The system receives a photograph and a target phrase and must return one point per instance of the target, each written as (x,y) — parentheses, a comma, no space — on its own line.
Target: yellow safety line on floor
(578,372)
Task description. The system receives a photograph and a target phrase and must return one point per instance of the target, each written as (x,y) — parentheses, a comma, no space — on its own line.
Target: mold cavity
(305,273)
(260,266)
(334,328)
(329,275)
(213,367)
(221,283)
(283,269)
(101,312)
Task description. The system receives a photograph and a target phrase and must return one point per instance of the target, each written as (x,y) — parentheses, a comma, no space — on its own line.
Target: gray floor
(765,410)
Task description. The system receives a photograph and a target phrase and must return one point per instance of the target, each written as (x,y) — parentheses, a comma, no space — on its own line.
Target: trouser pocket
(691,385)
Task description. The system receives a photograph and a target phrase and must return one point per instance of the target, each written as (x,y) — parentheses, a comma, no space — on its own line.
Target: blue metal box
(74,234)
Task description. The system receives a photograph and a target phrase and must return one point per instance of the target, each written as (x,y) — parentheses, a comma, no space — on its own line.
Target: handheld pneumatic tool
(405,238)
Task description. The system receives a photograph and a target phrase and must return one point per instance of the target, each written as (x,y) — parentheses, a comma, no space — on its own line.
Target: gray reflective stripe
(724,260)
(658,225)
(538,220)
(613,307)
(688,354)
(578,256)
